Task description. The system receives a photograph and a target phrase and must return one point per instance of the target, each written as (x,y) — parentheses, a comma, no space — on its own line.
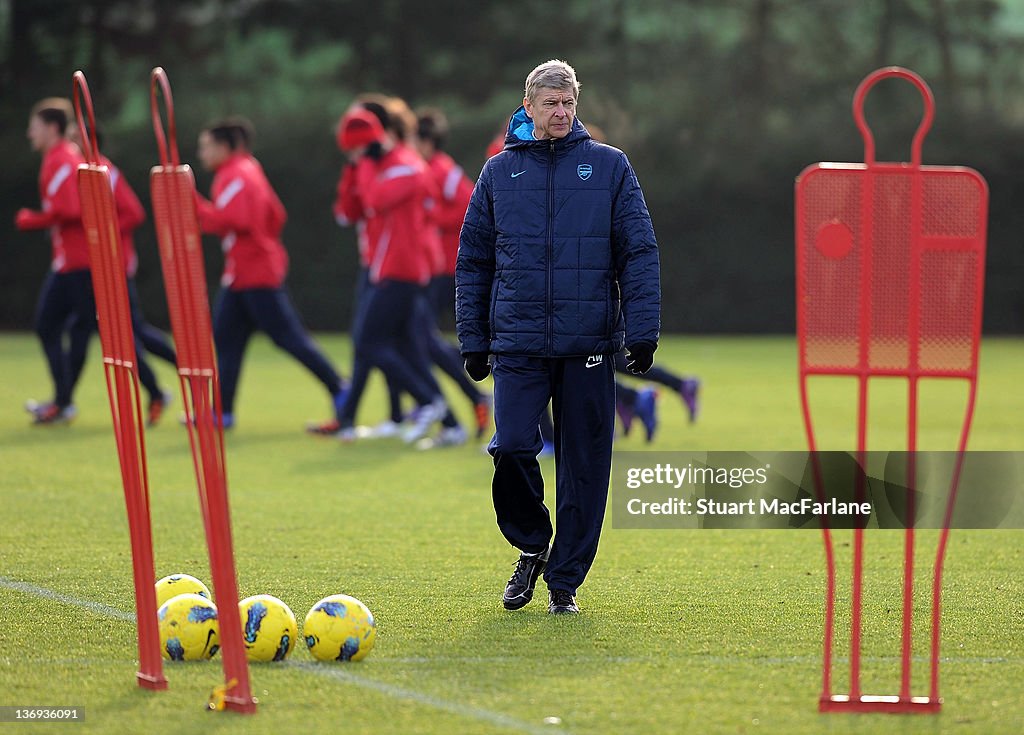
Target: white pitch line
(97,607)
(478,713)
(101,609)
(410,695)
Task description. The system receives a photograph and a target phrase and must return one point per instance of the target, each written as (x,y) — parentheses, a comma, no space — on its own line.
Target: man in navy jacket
(557,270)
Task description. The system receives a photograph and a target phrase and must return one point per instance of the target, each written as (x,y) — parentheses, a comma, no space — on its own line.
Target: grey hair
(554,74)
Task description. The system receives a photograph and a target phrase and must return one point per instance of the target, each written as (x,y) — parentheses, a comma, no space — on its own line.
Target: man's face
(212,153)
(552,111)
(40,134)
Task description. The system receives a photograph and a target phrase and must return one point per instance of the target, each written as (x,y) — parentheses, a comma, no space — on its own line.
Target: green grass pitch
(681,631)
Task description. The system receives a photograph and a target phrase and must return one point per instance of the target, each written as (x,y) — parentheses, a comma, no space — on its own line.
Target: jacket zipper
(549,337)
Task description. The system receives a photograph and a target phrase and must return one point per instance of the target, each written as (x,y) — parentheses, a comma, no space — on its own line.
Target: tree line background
(718,103)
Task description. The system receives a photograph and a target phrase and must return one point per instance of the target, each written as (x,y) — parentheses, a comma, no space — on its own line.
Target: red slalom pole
(181,257)
(99,218)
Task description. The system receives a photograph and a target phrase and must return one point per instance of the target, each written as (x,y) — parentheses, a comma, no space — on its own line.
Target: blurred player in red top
(386,187)
(398,122)
(246,212)
(66,304)
(130,215)
(419,348)
(455,190)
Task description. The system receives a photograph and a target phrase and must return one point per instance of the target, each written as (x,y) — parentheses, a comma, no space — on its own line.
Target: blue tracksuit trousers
(147,339)
(66,306)
(240,313)
(381,336)
(582,393)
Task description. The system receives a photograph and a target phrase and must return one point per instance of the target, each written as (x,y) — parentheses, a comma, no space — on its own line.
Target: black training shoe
(561,602)
(519,589)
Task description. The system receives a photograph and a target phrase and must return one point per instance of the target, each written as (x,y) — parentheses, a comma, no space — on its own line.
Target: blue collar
(520,131)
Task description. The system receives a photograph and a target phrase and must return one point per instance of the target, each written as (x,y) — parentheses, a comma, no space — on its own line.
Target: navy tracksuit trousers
(381,334)
(582,393)
(147,339)
(441,292)
(240,313)
(426,339)
(66,304)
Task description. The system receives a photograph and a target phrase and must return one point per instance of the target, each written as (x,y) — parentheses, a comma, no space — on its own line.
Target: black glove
(640,357)
(477,365)
(375,151)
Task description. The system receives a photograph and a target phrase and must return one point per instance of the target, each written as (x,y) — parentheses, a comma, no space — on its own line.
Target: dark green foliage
(718,104)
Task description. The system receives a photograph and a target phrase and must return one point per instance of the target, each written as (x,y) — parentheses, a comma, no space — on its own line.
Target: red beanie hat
(358,128)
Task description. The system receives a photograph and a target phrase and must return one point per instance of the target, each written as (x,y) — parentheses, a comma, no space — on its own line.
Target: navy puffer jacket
(557,255)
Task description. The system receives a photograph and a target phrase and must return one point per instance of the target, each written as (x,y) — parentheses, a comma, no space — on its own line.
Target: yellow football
(189,630)
(178,584)
(339,628)
(269,629)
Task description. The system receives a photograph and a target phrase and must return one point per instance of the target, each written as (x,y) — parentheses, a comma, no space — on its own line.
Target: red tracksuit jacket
(347,201)
(130,215)
(392,196)
(249,217)
(456,191)
(62,210)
